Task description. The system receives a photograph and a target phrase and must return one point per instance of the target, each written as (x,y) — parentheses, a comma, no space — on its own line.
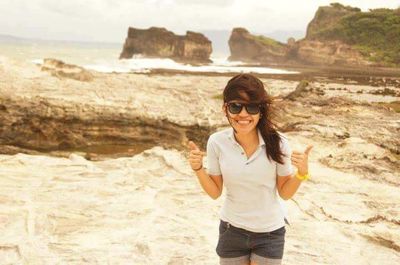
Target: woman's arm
(212,185)
(287,186)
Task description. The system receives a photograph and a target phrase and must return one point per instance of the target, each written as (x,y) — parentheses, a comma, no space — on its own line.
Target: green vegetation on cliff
(376,34)
(269,42)
(348,8)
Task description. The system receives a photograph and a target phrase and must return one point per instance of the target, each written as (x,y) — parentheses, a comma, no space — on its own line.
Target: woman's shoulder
(284,141)
(282,136)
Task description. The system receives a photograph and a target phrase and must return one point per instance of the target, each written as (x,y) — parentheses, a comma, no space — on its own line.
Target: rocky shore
(95,171)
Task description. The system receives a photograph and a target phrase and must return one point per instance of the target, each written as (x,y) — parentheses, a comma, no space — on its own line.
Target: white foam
(37,61)
(219,65)
(139,64)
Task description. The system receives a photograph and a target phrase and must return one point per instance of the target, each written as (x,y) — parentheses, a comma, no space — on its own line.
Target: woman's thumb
(193,146)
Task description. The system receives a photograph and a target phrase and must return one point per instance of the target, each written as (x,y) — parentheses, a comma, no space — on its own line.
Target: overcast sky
(108,20)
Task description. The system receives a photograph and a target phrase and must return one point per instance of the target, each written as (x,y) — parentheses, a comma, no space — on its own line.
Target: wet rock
(63,70)
(300,90)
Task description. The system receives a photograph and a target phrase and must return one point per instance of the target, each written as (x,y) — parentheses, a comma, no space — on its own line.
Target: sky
(108,20)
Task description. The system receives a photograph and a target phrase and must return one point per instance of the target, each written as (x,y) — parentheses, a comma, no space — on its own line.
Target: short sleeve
(286,168)
(213,167)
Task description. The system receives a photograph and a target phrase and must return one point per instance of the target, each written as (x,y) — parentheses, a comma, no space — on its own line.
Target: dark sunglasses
(236,108)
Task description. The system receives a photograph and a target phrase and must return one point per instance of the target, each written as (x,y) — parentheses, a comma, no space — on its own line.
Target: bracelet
(302,177)
(198,168)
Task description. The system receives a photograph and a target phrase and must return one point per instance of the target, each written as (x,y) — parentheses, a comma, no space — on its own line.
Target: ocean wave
(139,64)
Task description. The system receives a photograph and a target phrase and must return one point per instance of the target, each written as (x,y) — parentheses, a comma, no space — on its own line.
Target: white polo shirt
(252,201)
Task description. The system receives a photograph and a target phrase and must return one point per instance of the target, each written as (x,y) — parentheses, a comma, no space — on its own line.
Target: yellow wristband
(198,168)
(302,177)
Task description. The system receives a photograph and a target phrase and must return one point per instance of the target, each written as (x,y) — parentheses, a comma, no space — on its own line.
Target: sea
(104,57)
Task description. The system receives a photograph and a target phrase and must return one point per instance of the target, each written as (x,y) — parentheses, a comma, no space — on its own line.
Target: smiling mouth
(243,122)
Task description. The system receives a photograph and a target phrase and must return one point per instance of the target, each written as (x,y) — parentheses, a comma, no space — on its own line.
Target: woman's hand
(195,157)
(300,160)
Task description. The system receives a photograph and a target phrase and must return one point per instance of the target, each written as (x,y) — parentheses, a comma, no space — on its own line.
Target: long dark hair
(254,89)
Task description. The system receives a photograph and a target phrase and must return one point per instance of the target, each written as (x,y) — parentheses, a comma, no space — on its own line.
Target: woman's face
(243,122)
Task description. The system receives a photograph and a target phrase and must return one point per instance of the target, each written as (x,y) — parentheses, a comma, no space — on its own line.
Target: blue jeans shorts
(236,242)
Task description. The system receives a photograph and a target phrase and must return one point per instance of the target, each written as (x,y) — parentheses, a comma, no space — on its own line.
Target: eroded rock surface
(250,48)
(47,113)
(149,207)
(316,52)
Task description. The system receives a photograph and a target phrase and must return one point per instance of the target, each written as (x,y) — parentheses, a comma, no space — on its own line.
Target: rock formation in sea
(247,47)
(337,35)
(159,42)
(251,48)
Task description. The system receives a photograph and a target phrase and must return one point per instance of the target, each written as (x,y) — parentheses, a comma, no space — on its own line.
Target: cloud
(68,8)
(207,3)
(108,20)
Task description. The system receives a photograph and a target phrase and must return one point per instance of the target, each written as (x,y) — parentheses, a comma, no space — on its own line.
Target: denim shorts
(237,242)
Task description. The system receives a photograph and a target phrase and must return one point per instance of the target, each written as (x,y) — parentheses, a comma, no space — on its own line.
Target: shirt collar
(260,138)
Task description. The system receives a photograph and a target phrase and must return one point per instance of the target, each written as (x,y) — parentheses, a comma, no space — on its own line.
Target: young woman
(253,161)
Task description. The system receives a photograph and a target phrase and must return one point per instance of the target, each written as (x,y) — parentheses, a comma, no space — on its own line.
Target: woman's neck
(247,139)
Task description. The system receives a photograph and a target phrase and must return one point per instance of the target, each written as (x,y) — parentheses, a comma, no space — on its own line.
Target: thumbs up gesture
(195,156)
(300,160)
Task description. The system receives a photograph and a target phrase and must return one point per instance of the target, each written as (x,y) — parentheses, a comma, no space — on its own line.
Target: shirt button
(242,153)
